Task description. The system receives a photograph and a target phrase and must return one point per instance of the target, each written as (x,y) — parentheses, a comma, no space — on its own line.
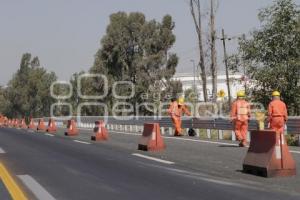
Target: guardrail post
(208,133)
(162,130)
(170,131)
(233,136)
(220,134)
(130,128)
(198,132)
(248,136)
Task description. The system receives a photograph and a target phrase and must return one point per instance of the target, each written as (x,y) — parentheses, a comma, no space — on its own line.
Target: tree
(272,55)
(135,50)
(195,8)
(213,65)
(3,100)
(28,92)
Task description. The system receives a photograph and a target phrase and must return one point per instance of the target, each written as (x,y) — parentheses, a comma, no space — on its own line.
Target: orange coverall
(176,112)
(240,114)
(277,115)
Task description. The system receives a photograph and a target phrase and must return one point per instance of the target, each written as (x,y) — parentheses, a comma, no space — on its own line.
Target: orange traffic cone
(100,131)
(31,125)
(269,155)
(71,128)
(16,123)
(41,125)
(9,123)
(23,124)
(151,139)
(6,122)
(51,126)
(1,121)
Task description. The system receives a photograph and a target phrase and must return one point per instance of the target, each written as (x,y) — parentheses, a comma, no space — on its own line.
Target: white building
(187,80)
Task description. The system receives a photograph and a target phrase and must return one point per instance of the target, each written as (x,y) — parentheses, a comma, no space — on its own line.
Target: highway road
(75,168)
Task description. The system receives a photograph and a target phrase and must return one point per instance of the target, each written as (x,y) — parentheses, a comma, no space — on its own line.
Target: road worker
(176,110)
(277,113)
(240,116)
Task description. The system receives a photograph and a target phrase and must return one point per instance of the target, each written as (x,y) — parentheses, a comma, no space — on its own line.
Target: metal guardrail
(293,124)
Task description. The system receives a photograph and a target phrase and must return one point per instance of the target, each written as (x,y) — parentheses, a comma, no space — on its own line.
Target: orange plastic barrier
(151,139)
(269,155)
(16,123)
(9,123)
(1,121)
(23,124)
(41,125)
(71,128)
(51,126)
(31,125)
(6,122)
(100,131)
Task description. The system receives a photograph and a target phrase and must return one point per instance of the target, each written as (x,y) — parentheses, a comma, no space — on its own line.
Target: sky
(65,34)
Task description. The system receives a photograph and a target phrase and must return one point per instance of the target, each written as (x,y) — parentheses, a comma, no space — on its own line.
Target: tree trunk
(197,22)
(213,66)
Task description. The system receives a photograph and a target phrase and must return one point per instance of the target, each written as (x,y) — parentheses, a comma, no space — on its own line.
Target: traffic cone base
(23,124)
(269,155)
(31,125)
(71,128)
(100,131)
(41,125)
(51,126)
(151,139)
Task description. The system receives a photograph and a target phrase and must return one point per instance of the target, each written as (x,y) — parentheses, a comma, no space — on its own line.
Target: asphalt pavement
(75,168)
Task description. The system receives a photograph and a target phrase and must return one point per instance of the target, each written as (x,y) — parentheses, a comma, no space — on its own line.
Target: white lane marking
(154,159)
(185,139)
(126,133)
(298,152)
(36,188)
(202,141)
(82,142)
(49,134)
(2,151)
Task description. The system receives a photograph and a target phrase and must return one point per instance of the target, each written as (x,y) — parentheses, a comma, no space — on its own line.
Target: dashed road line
(201,141)
(126,133)
(12,187)
(49,134)
(82,142)
(186,139)
(154,159)
(193,140)
(36,188)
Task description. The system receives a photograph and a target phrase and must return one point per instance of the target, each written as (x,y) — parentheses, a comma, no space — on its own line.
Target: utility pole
(226,66)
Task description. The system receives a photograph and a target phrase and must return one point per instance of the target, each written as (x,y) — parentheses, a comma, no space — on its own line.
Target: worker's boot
(245,143)
(241,144)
